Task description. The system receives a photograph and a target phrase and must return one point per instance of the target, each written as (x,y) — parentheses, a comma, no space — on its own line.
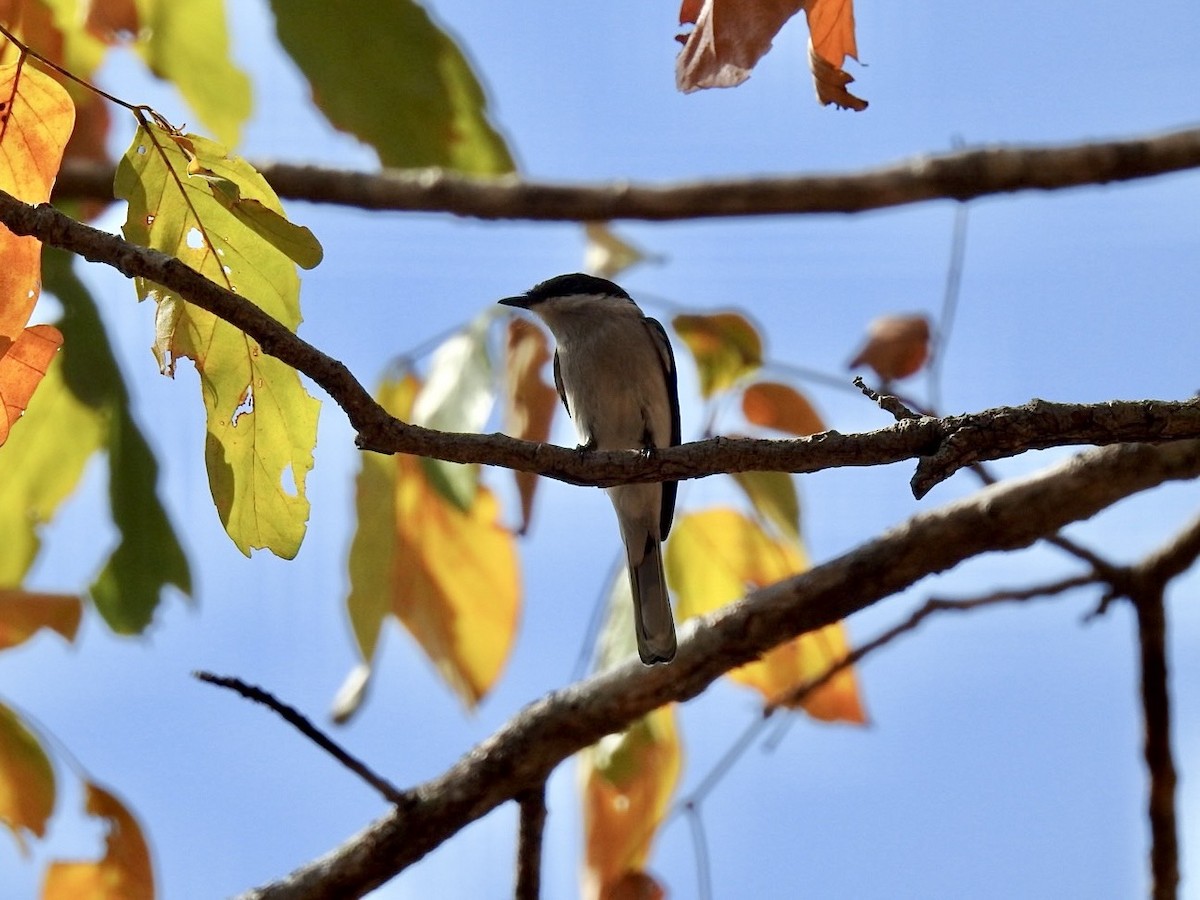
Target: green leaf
(148,556)
(773,495)
(457,396)
(188,45)
(386,73)
(261,422)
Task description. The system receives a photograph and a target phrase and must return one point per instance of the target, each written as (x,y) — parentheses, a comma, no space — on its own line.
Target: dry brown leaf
(530,402)
(896,347)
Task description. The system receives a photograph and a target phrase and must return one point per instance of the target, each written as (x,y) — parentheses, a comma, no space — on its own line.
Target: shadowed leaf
(27,789)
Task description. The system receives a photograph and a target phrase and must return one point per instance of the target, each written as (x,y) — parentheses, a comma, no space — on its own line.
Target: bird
(615,373)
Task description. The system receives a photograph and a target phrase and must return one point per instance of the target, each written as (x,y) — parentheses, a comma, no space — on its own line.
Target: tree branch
(960,175)
(524,751)
(529,843)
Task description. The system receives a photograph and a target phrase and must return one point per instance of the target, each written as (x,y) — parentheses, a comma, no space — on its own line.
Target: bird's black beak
(521,302)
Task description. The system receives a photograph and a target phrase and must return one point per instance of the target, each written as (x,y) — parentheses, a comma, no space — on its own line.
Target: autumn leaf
(27,788)
(123,873)
(22,368)
(627,779)
(896,347)
(458,396)
(726,348)
(607,254)
(713,558)
(449,575)
(24,613)
(769,404)
(529,401)
(389,75)
(773,495)
(729,38)
(261,421)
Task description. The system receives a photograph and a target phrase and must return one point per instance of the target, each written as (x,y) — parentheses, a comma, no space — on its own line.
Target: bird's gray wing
(667,357)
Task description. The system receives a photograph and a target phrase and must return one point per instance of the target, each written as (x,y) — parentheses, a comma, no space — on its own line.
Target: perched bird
(615,373)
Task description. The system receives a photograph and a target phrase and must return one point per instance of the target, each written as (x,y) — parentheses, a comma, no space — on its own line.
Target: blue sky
(1004,755)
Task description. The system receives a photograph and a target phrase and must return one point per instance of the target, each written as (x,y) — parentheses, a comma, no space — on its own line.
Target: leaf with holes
(261,422)
(123,873)
(713,557)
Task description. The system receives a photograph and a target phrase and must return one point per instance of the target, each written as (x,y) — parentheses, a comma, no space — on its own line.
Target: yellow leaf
(896,347)
(23,614)
(713,558)
(627,781)
(607,254)
(123,873)
(450,575)
(772,405)
(774,497)
(262,423)
(529,401)
(726,347)
(26,779)
(22,367)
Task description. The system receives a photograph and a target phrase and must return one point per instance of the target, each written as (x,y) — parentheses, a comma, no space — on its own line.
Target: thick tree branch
(524,751)
(943,445)
(961,175)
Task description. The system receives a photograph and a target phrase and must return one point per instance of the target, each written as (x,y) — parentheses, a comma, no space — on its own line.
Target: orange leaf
(726,348)
(896,347)
(712,559)
(21,369)
(779,406)
(627,781)
(124,872)
(26,779)
(23,614)
(36,115)
(831,40)
(530,402)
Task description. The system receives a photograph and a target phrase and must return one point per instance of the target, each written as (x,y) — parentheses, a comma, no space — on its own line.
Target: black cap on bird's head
(575,284)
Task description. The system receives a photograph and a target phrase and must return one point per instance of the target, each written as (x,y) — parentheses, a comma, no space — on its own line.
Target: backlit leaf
(607,254)
(23,614)
(770,404)
(261,421)
(715,557)
(386,73)
(22,367)
(123,873)
(458,396)
(26,779)
(774,497)
(726,347)
(529,401)
(188,45)
(896,347)
(449,575)
(627,779)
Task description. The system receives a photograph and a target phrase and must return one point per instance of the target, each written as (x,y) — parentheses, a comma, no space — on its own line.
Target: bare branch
(529,843)
(960,175)
(526,749)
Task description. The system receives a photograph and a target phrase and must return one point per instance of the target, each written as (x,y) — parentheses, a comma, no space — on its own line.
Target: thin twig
(529,844)
(297,720)
(700,850)
(950,295)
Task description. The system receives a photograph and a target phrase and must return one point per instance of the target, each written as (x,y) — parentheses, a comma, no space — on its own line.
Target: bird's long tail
(653,622)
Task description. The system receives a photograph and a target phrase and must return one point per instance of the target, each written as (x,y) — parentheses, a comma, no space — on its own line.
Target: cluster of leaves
(192,198)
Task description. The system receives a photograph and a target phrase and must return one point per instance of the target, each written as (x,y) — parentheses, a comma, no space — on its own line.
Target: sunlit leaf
(123,873)
(386,73)
(627,779)
(726,347)
(713,558)
(23,614)
(148,556)
(896,347)
(449,575)
(22,367)
(188,45)
(261,421)
(26,779)
(773,495)
(529,401)
(458,396)
(36,115)
(607,254)
(770,404)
